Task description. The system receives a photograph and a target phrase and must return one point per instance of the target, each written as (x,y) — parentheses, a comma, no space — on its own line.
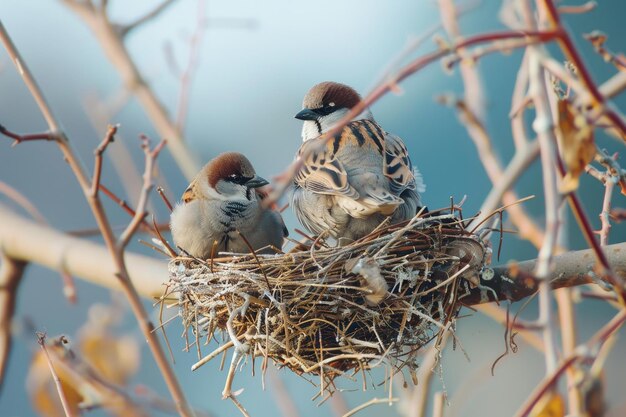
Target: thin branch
(108,34)
(583,8)
(104,225)
(520,162)
(186,79)
(418,402)
(606,211)
(439,403)
(154,13)
(17,138)
(544,128)
(567,45)
(370,403)
(595,342)
(140,212)
(97,170)
(11,272)
(22,201)
(69,411)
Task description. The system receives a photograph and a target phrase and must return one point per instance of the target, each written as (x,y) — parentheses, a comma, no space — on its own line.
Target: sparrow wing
(397,166)
(315,211)
(321,172)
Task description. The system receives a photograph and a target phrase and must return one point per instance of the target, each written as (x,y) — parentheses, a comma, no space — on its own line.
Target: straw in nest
(332,311)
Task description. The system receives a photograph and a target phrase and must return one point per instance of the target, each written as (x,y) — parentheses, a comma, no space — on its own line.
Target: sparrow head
(230,176)
(324,105)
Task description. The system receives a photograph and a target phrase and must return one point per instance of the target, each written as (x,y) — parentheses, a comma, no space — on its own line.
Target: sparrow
(222,203)
(348,185)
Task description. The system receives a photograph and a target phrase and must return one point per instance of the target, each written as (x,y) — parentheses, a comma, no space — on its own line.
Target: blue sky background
(249,85)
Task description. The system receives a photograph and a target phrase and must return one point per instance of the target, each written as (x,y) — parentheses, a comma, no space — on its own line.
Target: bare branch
(69,412)
(516,281)
(148,184)
(113,45)
(587,352)
(154,13)
(23,239)
(121,271)
(97,170)
(583,8)
(11,272)
(369,403)
(25,138)
(567,45)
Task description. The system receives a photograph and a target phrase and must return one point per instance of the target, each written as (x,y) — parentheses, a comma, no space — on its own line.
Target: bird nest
(337,310)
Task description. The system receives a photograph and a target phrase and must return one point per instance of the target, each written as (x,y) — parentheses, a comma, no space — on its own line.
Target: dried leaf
(116,358)
(42,390)
(99,350)
(593,397)
(577,145)
(550,405)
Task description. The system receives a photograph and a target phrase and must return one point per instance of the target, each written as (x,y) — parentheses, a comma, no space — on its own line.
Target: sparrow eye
(238,179)
(326,109)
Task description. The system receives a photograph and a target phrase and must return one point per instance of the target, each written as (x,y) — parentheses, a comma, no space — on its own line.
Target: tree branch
(154,13)
(108,35)
(25,240)
(515,281)
(11,272)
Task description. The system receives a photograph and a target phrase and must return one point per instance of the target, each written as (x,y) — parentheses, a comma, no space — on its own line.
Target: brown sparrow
(221,204)
(360,177)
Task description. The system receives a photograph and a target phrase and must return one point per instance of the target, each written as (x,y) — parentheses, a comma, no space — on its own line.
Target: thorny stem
(116,251)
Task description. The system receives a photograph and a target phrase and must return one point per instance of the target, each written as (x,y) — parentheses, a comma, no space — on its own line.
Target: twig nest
(331,310)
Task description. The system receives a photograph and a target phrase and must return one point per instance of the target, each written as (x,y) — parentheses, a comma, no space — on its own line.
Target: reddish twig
(17,138)
(581,354)
(148,184)
(572,54)
(161,193)
(109,137)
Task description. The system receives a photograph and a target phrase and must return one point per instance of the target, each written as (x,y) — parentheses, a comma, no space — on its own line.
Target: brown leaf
(550,405)
(116,358)
(576,142)
(42,390)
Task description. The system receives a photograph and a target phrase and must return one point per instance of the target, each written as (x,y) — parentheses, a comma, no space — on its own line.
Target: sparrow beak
(307,114)
(256,182)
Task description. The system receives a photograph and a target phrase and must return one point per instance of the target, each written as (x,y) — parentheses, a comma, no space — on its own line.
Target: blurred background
(255,61)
